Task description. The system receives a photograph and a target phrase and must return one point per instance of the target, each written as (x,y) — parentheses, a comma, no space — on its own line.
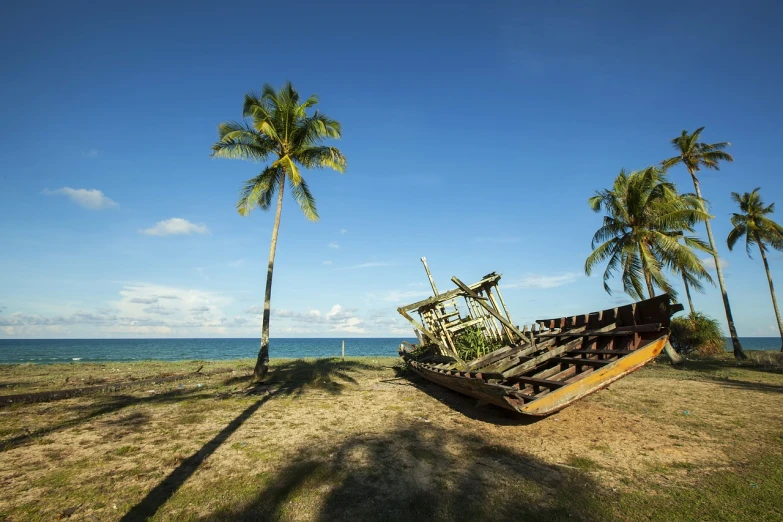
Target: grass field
(362,440)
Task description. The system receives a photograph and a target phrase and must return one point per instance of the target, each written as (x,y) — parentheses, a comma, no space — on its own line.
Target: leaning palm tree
(279,127)
(645,218)
(758,229)
(695,156)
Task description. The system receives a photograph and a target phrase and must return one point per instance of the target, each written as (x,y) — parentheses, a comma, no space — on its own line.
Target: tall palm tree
(279,127)
(645,219)
(695,156)
(758,229)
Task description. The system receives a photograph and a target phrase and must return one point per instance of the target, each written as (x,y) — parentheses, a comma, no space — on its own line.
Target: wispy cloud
(93,199)
(137,312)
(709,263)
(236,263)
(543,281)
(327,262)
(174,227)
(334,245)
(343,231)
(92,153)
(399,296)
(337,319)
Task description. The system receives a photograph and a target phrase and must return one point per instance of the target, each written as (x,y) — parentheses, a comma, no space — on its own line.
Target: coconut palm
(281,128)
(695,156)
(645,219)
(752,223)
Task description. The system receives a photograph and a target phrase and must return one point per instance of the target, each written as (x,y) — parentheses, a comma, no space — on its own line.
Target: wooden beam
(541,382)
(488,308)
(578,361)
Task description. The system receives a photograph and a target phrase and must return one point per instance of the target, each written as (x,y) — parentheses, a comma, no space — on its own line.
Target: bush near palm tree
(698,334)
(696,155)
(753,224)
(645,220)
(279,127)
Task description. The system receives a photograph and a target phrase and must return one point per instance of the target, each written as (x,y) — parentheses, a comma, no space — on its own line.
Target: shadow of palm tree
(286,379)
(421,472)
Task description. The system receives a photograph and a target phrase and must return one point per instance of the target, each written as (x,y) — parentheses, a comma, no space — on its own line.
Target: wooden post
(432,281)
(343,349)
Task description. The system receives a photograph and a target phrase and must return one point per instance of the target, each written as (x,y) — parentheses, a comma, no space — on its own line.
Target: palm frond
(258,191)
(322,157)
(304,197)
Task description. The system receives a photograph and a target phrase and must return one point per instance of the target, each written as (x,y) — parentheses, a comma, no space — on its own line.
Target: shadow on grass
(467,406)
(419,472)
(286,379)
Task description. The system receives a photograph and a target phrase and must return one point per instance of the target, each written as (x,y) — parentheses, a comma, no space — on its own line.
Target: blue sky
(474,135)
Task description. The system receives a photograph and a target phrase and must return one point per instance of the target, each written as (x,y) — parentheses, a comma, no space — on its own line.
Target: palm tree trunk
(262,363)
(738,352)
(671,353)
(772,292)
(688,293)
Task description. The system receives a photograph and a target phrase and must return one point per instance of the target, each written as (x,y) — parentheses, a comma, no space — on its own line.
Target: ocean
(98,350)
(42,351)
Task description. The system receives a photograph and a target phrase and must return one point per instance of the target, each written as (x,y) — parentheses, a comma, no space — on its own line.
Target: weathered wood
(581,331)
(554,352)
(603,352)
(488,308)
(541,382)
(580,361)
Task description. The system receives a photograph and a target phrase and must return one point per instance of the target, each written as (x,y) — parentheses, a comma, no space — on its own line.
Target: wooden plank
(582,362)
(581,332)
(604,352)
(541,382)
(554,352)
(451,294)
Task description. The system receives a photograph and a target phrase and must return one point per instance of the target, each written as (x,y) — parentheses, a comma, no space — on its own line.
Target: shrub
(698,334)
(471,344)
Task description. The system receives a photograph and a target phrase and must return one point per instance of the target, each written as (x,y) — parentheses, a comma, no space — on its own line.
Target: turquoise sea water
(97,350)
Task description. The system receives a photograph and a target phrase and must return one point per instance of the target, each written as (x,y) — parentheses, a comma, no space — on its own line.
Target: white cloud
(334,245)
(137,312)
(236,263)
(399,297)
(709,263)
(343,231)
(93,199)
(542,281)
(327,262)
(337,319)
(173,227)
(92,153)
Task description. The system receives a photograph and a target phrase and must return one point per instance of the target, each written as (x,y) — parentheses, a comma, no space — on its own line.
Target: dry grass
(356,440)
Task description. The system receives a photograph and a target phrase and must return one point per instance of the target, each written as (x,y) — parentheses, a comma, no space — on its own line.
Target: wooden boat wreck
(537,370)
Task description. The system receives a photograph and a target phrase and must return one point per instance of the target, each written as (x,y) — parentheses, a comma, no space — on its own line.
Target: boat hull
(575,357)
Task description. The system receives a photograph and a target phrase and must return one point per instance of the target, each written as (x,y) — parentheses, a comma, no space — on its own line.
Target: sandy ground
(357,440)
